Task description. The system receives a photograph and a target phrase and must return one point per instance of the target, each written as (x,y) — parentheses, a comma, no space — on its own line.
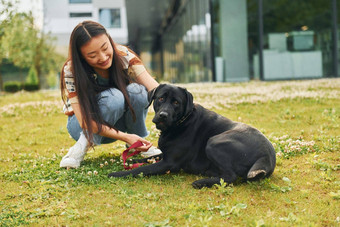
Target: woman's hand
(132,138)
(127,138)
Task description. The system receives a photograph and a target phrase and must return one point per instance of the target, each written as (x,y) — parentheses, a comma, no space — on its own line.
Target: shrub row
(14,86)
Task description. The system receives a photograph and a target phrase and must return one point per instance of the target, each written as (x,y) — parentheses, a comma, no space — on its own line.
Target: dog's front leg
(158,168)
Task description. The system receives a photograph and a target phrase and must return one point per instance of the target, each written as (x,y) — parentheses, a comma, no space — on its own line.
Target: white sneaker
(151,152)
(75,154)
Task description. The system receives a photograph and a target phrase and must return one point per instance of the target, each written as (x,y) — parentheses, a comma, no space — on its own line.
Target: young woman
(104,86)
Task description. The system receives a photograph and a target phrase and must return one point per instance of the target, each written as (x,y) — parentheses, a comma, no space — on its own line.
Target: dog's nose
(163,115)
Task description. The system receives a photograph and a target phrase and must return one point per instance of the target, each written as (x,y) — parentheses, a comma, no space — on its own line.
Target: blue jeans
(112,106)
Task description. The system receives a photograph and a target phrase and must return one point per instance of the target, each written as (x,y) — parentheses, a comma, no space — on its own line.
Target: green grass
(301,118)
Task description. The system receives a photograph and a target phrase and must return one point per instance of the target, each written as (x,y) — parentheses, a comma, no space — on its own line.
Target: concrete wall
(234,45)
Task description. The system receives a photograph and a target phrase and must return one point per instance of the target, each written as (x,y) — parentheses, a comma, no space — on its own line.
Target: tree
(32,77)
(6,12)
(27,46)
(46,59)
(20,40)
(287,15)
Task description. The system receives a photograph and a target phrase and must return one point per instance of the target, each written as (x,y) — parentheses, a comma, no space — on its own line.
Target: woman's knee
(138,95)
(111,100)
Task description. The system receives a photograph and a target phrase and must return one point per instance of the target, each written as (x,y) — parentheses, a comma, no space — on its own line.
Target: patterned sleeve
(131,62)
(69,84)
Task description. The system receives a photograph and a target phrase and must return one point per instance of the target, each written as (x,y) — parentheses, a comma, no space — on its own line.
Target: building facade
(184,41)
(60,18)
(234,41)
(204,41)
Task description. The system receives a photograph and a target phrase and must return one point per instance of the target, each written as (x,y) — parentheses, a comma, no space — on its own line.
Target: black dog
(200,141)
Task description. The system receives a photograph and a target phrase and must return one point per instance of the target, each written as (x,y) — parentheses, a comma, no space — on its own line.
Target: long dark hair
(85,84)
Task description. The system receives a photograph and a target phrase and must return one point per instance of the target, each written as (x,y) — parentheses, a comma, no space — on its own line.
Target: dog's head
(172,105)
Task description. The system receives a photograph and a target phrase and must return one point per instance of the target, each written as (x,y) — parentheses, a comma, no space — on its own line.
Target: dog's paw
(207,182)
(197,185)
(117,174)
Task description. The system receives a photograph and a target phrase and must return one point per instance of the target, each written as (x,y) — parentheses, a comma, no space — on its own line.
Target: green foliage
(289,147)
(315,14)
(335,195)
(12,86)
(164,223)
(20,39)
(291,218)
(52,79)
(32,77)
(276,188)
(224,188)
(225,210)
(30,87)
(23,44)
(326,168)
(32,80)
(12,216)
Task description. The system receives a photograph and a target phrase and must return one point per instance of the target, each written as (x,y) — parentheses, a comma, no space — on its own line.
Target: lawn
(301,119)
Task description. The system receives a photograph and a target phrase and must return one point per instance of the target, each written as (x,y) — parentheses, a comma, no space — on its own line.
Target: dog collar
(184,118)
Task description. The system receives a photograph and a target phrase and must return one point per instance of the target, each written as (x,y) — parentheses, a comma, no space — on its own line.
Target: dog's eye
(161,99)
(175,102)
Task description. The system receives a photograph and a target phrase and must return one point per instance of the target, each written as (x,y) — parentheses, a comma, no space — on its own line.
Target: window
(89,14)
(186,45)
(79,1)
(298,46)
(110,18)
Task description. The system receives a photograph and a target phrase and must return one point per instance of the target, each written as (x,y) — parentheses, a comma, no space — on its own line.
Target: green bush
(32,81)
(30,87)
(32,77)
(12,86)
(52,79)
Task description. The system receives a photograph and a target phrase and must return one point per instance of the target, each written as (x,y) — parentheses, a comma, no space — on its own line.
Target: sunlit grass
(301,118)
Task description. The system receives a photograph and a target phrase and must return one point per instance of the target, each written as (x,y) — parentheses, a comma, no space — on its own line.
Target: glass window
(85,14)
(297,35)
(110,18)
(186,45)
(79,1)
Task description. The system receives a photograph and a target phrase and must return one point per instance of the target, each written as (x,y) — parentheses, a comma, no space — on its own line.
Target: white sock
(84,143)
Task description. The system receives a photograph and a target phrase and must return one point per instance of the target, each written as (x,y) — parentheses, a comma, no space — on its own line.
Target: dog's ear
(151,94)
(190,101)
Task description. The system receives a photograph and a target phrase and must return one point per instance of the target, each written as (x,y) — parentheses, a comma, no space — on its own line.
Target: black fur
(203,142)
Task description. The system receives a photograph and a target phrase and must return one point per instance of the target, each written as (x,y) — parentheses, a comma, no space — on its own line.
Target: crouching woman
(104,86)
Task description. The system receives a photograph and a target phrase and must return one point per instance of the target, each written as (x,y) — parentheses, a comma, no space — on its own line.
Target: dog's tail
(262,168)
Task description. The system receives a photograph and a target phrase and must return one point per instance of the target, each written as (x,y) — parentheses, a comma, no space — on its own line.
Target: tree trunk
(37,59)
(38,69)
